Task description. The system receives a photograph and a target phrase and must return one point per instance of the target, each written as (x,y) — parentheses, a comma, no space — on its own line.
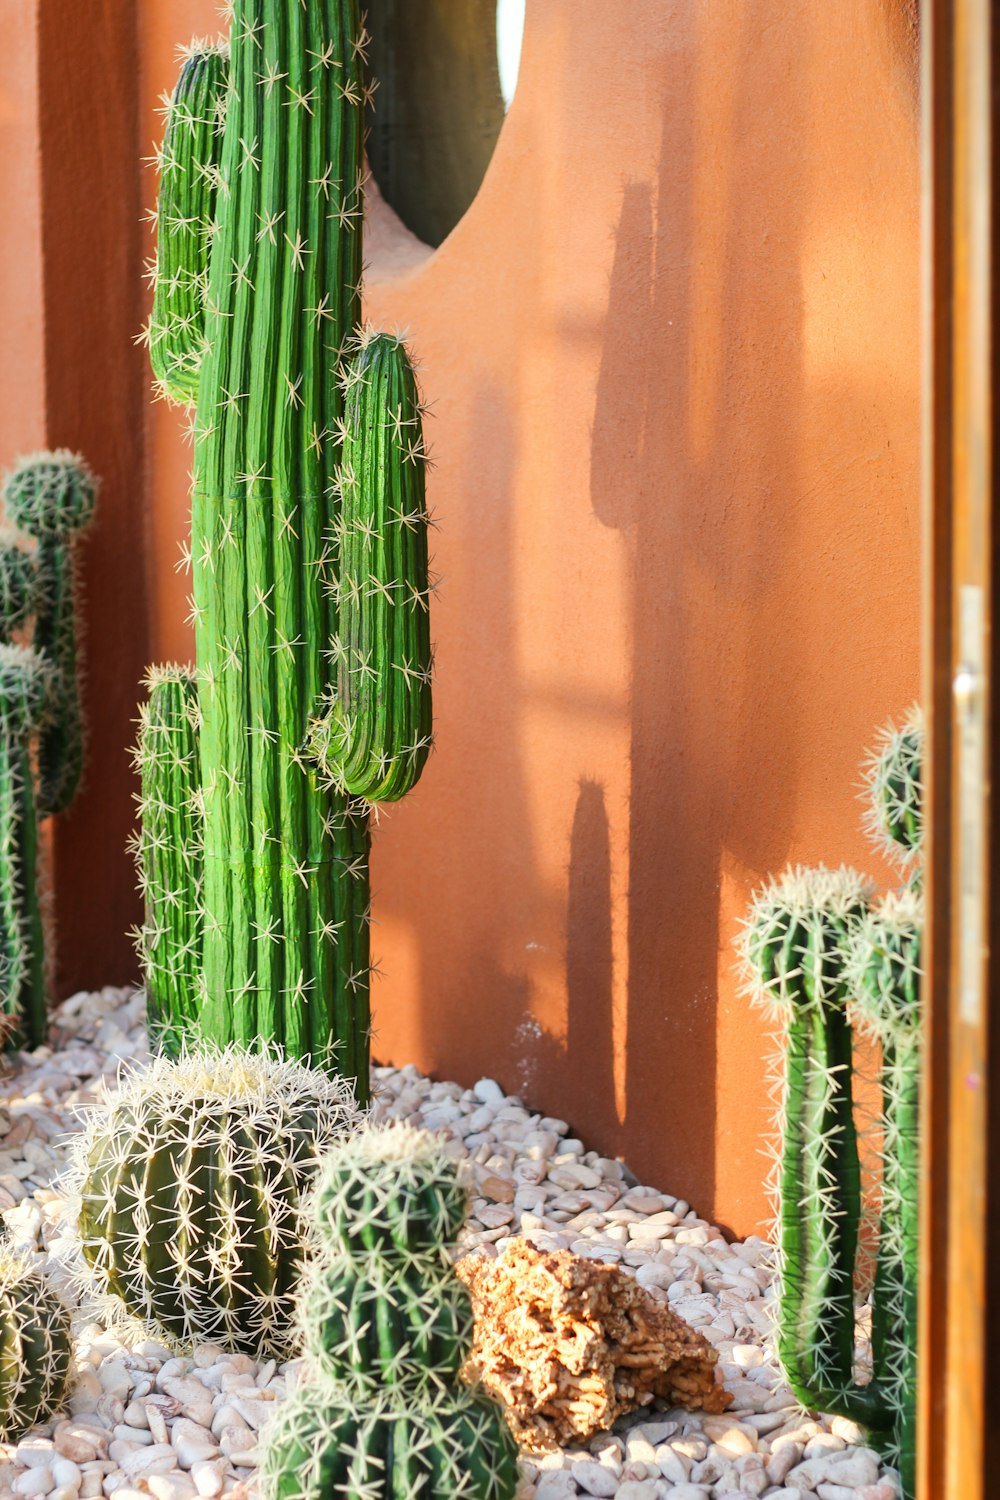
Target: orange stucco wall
(672,353)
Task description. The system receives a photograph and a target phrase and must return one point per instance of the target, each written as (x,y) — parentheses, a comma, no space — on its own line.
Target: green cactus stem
(286,860)
(189,183)
(387,1325)
(189,1182)
(883,973)
(169,849)
(893,792)
(793,944)
(51,497)
(376,736)
(18,585)
(35,1347)
(26,688)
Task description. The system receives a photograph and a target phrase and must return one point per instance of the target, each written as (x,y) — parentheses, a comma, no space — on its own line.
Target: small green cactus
(51,497)
(883,976)
(18,585)
(190,176)
(894,814)
(169,846)
(190,1179)
(381,1412)
(26,689)
(793,942)
(35,1346)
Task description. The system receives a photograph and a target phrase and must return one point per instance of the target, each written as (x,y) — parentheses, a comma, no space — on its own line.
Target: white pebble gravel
(142,1422)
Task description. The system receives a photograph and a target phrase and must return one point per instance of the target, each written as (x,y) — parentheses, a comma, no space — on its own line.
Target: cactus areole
(256,318)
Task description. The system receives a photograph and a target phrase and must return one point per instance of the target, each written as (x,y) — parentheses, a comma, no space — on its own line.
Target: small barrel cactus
(190,1179)
(18,584)
(26,683)
(51,497)
(35,1346)
(169,847)
(382,1412)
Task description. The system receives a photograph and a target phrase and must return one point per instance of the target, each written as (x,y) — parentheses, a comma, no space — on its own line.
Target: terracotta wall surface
(673,357)
(70,305)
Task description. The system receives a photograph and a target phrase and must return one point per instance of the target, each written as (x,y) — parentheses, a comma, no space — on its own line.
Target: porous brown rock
(568,1345)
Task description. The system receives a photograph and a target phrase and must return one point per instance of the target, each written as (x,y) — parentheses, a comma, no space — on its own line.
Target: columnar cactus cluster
(36,1346)
(49,496)
(827,963)
(308,538)
(188,1182)
(380,1410)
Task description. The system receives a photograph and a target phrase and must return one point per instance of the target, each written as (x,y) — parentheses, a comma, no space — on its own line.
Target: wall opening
(445,71)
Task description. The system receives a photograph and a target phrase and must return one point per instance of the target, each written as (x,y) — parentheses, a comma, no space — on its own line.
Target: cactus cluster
(35,1346)
(188,1184)
(308,546)
(50,497)
(825,960)
(380,1410)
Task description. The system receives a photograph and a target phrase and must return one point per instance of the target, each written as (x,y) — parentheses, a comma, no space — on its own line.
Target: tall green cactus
(387,1326)
(169,847)
(816,954)
(26,691)
(285,889)
(51,496)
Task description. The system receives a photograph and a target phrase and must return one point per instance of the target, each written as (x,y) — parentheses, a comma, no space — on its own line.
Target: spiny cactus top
(50,494)
(882,965)
(893,791)
(789,943)
(189,1180)
(18,583)
(35,1346)
(26,682)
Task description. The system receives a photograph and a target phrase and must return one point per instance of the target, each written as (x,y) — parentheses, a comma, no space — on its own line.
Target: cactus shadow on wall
(691,470)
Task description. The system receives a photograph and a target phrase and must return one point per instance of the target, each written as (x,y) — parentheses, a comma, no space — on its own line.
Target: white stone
(209,1477)
(170,1487)
(488,1091)
(144,1462)
(32,1482)
(637,1489)
(34,1453)
(593,1478)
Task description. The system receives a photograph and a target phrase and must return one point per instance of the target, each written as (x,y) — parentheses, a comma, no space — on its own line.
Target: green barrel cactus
(51,497)
(35,1346)
(26,693)
(188,1182)
(381,1412)
(18,585)
(282,384)
(190,161)
(794,941)
(883,977)
(169,849)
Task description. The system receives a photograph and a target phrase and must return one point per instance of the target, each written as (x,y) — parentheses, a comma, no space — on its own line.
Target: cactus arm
(189,180)
(169,847)
(15,961)
(376,736)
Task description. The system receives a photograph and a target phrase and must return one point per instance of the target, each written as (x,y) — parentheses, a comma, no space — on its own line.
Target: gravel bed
(142,1422)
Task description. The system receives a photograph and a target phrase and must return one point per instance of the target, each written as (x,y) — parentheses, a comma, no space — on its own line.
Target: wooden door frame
(961,131)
